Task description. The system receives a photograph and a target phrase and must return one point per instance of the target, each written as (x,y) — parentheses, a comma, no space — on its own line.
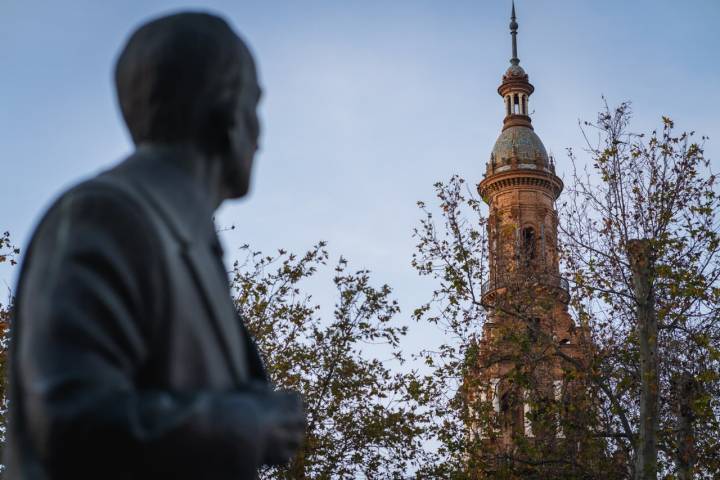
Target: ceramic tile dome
(528,146)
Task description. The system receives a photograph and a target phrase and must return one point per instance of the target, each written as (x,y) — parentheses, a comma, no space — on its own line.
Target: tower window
(528,245)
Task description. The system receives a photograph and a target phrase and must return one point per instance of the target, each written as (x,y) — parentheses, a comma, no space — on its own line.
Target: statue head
(188,80)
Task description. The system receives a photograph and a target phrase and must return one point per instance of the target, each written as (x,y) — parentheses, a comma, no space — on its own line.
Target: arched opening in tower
(528,246)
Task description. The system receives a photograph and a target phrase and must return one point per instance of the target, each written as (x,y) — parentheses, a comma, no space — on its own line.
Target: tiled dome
(528,146)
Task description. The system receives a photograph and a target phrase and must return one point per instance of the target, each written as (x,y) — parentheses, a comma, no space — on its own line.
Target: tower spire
(513,31)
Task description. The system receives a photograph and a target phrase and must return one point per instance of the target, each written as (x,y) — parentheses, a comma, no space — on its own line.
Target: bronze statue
(128,358)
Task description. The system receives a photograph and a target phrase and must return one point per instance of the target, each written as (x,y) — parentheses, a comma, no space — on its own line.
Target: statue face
(244,134)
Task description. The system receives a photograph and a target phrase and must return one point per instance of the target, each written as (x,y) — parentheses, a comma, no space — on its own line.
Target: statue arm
(85,301)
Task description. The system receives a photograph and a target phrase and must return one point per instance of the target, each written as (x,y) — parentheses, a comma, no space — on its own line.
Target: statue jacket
(128,359)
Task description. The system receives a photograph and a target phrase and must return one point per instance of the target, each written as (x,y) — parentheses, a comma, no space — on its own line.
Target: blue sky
(367,103)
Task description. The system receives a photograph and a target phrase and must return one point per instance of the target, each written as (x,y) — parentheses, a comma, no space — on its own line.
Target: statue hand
(284,426)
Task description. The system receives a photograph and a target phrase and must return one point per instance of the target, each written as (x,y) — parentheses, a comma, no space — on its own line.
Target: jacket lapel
(220,309)
(192,226)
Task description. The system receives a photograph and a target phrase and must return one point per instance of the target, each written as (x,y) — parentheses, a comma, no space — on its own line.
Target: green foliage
(363,420)
(8,254)
(452,254)
(657,187)
(8,251)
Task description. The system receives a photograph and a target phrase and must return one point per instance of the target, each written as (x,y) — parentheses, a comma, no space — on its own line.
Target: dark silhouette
(128,357)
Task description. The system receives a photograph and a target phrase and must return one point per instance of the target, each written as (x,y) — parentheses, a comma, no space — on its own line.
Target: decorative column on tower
(525,297)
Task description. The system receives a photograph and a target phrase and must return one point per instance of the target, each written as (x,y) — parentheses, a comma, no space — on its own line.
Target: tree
(452,254)
(641,240)
(640,245)
(362,420)
(8,254)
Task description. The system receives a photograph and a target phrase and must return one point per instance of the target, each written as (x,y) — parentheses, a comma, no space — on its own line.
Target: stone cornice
(517,121)
(520,178)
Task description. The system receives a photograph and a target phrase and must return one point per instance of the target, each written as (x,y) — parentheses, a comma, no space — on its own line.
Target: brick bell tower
(518,372)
